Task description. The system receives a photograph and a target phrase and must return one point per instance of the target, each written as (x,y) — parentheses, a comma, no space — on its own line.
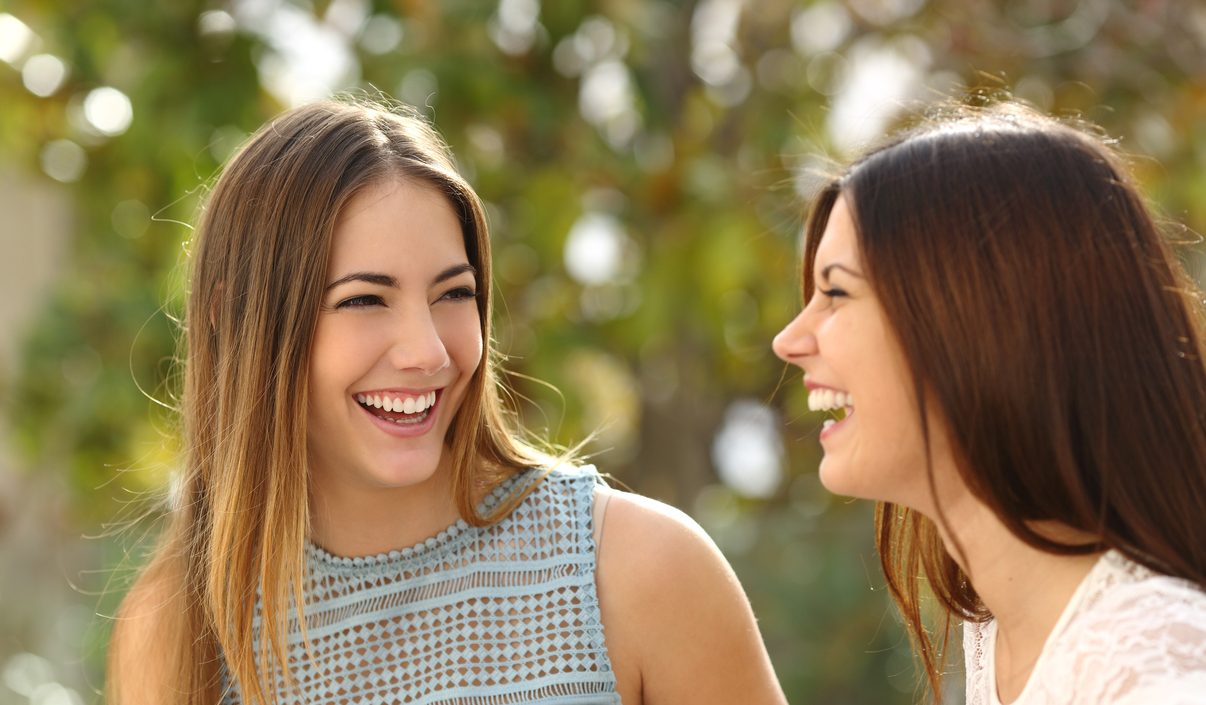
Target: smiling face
(397,341)
(853,365)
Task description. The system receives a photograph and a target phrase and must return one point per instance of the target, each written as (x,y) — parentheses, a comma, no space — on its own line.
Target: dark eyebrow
(453,271)
(369,277)
(829,268)
(387,280)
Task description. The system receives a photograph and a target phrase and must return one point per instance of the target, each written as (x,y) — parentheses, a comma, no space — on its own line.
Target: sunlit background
(645,165)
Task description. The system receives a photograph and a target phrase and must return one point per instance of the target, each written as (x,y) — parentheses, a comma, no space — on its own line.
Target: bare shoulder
(146,623)
(660,539)
(657,556)
(669,601)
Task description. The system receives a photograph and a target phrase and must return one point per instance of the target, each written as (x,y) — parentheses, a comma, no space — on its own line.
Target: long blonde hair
(236,532)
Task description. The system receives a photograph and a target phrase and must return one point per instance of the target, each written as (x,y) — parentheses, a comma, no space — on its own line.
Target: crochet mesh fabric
(495,615)
(1127,637)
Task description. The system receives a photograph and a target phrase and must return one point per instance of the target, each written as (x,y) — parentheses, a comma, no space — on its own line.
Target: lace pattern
(1127,637)
(496,615)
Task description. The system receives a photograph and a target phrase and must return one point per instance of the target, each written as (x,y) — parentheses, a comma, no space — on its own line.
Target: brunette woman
(1013,358)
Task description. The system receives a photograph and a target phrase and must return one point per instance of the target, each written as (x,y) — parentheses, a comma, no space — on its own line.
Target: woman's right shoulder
(148,622)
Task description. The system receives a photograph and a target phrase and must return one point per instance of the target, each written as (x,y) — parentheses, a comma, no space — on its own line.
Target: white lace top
(1127,637)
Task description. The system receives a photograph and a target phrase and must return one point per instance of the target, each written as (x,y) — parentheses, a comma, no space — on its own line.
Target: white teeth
(403,405)
(827,423)
(829,399)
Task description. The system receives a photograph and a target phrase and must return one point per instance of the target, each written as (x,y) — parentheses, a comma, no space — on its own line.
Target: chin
(408,469)
(838,482)
(832,480)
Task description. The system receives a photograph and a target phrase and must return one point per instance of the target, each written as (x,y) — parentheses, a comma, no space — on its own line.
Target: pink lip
(399,391)
(405,430)
(810,385)
(832,429)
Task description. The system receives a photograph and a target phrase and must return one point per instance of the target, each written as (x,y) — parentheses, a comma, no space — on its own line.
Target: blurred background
(645,164)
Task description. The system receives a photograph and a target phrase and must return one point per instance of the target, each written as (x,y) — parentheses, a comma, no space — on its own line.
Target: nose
(796,341)
(417,344)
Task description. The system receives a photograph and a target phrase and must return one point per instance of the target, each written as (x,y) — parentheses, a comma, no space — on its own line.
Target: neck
(360,520)
(1025,588)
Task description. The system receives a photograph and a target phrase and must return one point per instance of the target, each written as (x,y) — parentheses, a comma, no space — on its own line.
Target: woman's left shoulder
(1146,629)
(1137,595)
(669,598)
(654,534)
(652,544)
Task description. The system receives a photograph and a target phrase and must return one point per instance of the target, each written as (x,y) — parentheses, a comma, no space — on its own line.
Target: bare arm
(678,625)
(140,649)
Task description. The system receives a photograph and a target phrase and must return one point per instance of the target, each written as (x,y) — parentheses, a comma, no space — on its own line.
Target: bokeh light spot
(43,74)
(64,160)
(108,110)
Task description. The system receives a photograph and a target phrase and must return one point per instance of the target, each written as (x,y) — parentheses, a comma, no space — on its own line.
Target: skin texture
(406,321)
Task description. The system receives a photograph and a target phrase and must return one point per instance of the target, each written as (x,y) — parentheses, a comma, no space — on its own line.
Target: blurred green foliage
(692,130)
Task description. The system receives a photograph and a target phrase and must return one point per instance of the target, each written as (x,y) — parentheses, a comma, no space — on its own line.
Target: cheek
(461,334)
(335,350)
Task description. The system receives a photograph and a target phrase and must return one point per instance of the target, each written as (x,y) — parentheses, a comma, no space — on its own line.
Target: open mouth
(841,403)
(401,409)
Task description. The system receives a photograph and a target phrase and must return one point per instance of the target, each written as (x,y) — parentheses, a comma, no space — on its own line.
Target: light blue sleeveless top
(497,615)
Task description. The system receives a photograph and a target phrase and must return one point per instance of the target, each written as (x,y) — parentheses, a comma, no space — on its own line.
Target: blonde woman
(357,521)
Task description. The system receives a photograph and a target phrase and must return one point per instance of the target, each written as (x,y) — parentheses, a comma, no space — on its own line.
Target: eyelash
(461,293)
(359,301)
(831,293)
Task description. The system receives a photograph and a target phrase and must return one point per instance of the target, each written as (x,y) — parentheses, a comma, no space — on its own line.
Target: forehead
(400,222)
(839,242)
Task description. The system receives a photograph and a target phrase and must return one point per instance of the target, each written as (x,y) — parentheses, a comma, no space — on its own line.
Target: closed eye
(833,293)
(362,301)
(460,293)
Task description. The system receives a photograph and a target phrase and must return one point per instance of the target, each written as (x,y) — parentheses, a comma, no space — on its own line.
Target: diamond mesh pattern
(496,615)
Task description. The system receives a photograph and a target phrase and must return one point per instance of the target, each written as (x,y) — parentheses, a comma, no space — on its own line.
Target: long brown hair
(1043,314)
(238,526)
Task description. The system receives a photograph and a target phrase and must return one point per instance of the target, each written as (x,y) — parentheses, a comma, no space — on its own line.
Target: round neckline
(1065,616)
(452,534)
